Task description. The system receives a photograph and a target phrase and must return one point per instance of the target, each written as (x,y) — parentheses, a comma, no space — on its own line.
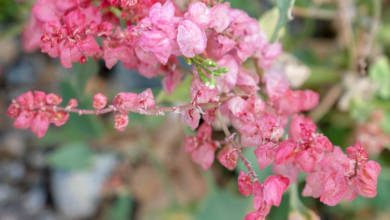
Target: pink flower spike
(121,122)
(274,187)
(245,184)
(99,101)
(228,157)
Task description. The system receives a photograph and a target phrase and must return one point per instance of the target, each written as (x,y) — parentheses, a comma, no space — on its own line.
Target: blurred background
(87,170)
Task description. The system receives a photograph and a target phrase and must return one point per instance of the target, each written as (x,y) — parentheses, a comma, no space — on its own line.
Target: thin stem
(237,147)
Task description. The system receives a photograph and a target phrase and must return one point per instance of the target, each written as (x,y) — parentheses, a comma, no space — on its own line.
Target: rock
(13,171)
(7,193)
(12,144)
(76,193)
(34,200)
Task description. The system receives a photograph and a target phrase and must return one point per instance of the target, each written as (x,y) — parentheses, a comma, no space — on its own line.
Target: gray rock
(76,194)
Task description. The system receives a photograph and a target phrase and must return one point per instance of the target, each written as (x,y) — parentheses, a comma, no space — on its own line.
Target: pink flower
(220,18)
(199,13)
(24,120)
(162,14)
(31,36)
(191,39)
(145,100)
(285,151)
(228,80)
(191,117)
(218,45)
(301,128)
(121,122)
(255,216)
(265,155)
(227,156)
(59,118)
(202,147)
(268,54)
(171,80)
(201,93)
(45,11)
(125,101)
(274,187)
(40,124)
(73,103)
(157,43)
(99,101)
(244,184)
(367,179)
(52,99)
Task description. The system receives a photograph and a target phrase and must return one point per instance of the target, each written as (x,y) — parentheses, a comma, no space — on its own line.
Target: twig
(237,147)
(330,98)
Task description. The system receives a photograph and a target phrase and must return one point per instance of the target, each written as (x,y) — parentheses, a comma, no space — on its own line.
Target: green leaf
(71,156)
(360,109)
(386,123)
(222,204)
(268,22)
(284,7)
(220,71)
(85,72)
(380,73)
(121,209)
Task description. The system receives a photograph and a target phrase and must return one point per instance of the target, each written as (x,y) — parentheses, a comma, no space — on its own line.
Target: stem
(237,147)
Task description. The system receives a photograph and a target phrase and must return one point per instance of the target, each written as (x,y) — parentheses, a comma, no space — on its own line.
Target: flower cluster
(37,110)
(255,109)
(157,33)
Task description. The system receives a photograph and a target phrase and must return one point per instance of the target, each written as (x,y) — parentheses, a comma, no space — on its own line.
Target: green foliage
(222,204)
(120,209)
(284,7)
(380,73)
(386,123)
(268,22)
(71,156)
